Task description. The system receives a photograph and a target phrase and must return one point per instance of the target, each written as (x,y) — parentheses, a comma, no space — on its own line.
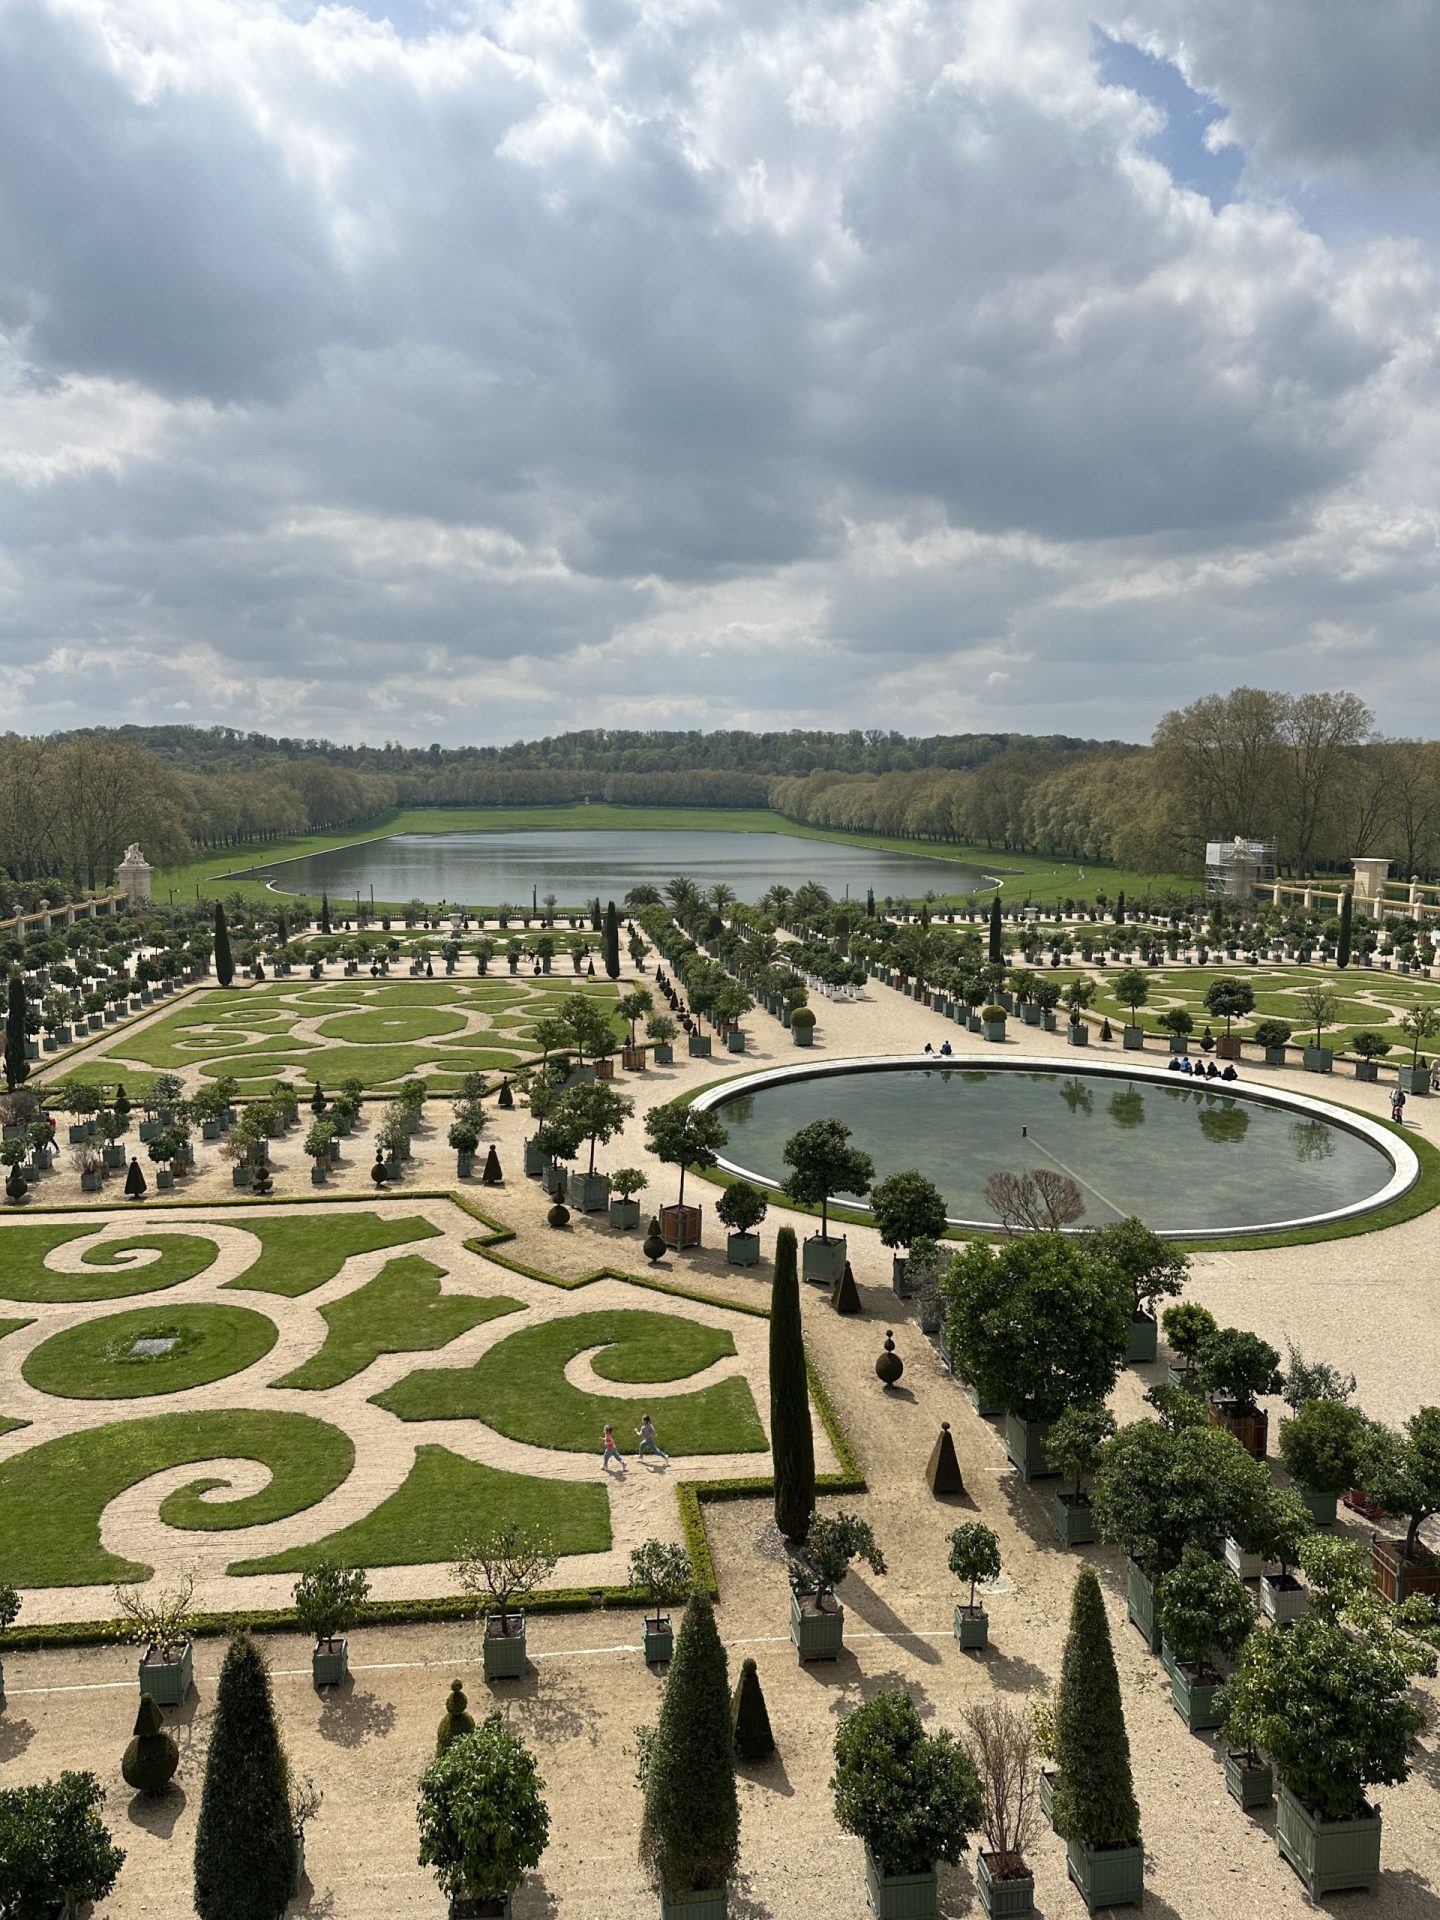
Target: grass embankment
(1039,877)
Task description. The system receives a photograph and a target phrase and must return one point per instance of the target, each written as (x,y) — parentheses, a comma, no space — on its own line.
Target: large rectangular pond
(486,869)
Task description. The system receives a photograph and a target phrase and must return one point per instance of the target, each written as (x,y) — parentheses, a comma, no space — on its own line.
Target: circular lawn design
(178,1347)
(381,1026)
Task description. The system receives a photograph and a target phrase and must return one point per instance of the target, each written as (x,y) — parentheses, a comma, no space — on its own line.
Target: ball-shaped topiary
(559,1215)
(456,1720)
(152,1756)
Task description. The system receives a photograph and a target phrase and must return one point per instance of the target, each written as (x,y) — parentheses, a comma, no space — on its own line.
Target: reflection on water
(1137,1149)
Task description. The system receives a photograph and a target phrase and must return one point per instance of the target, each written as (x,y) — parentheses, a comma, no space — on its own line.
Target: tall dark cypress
(17,1067)
(1095,1794)
(870,903)
(612,941)
(244,1844)
(1347,912)
(224,963)
(997,938)
(324,912)
(792,1444)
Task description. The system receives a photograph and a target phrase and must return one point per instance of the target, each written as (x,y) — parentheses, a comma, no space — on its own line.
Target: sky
(460,370)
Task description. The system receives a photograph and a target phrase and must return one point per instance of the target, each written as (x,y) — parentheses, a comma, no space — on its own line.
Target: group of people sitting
(1202,1069)
(943,1048)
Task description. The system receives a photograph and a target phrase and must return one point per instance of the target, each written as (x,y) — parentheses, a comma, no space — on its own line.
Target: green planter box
(1414,1080)
(504,1656)
(1274,1056)
(330,1662)
(1025,1444)
(1140,1605)
(735,1040)
(972,1630)
(1107,1876)
(1319,1059)
(241,1176)
(1366,1070)
(1049,1778)
(1330,1856)
(479,1906)
(164,1180)
(1074,1524)
(743,1249)
(624,1214)
(1194,1700)
(534,1160)
(711,1904)
(1144,1341)
(664,1053)
(817,1636)
(1132,1039)
(1322,1507)
(823,1261)
(900,1896)
(993,1029)
(698,1045)
(168,1681)
(1250,1786)
(987,1409)
(803,1036)
(1004,1899)
(659,1642)
(589,1192)
(1078,1036)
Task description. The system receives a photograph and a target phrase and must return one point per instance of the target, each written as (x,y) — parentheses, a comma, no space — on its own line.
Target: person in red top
(611,1452)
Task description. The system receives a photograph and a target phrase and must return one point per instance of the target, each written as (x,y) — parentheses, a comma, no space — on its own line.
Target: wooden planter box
(1140,1605)
(1107,1876)
(1250,1783)
(802,1035)
(330,1662)
(1144,1341)
(1074,1521)
(993,1029)
(698,1045)
(168,1681)
(1367,1070)
(1328,1855)
(664,1053)
(1414,1080)
(1399,1578)
(1319,1059)
(534,1160)
(817,1635)
(1228,1046)
(735,1040)
(743,1249)
(1322,1507)
(1012,1899)
(680,1226)
(823,1261)
(1133,1039)
(1250,1425)
(1078,1036)
(633,1059)
(972,1628)
(1025,1444)
(900,1896)
(1283,1598)
(504,1653)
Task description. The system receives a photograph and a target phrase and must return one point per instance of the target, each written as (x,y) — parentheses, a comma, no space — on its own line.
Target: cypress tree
(1120,908)
(17,1067)
(751,1718)
(997,938)
(870,903)
(1347,912)
(324,912)
(244,1846)
(612,941)
(690,1830)
(792,1444)
(1095,1794)
(224,963)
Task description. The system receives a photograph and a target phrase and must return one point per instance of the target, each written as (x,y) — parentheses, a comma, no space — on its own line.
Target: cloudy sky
(462,370)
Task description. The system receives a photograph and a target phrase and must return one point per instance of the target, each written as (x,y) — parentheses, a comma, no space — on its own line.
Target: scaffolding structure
(1237,869)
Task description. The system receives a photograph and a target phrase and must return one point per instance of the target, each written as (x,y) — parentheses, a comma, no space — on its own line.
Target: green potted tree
(661,1571)
(160,1624)
(683,1137)
(317,1143)
(1132,990)
(1277,1530)
(1402,1476)
(1095,1809)
(660,1031)
(1273,1036)
(1002,1744)
(817,1619)
(992,1022)
(483,1820)
(1078,996)
(625,1183)
(55,1849)
(498,1567)
(741,1208)
(1329,1707)
(1369,1049)
(1179,1024)
(1202,1609)
(1229,999)
(1073,1448)
(913,1798)
(1187,1326)
(906,1207)
(1321,1006)
(1323,1450)
(328,1599)
(464,1137)
(974,1556)
(1417,1024)
(1152,1269)
(690,1825)
(802,1026)
(597,1113)
(822,1163)
(1234,1369)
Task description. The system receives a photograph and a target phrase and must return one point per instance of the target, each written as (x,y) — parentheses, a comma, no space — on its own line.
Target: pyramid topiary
(845,1295)
(1095,1795)
(792,1444)
(152,1756)
(492,1176)
(456,1720)
(751,1718)
(244,1846)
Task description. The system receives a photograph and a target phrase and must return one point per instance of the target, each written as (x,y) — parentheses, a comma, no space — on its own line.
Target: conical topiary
(1095,1794)
(135,1182)
(751,1718)
(152,1756)
(792,1444)
(845,1295)
(690,1829)
(492,1176)
(456,1720)
(244,1842)
(653,1245)
(943,1471)
(506,1096)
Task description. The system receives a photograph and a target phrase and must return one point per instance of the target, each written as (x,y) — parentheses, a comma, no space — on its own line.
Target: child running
(610,1452)
(648,1442)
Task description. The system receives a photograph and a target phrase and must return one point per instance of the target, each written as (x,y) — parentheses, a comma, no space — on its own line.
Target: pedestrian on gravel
(648,1442)
(610,1452)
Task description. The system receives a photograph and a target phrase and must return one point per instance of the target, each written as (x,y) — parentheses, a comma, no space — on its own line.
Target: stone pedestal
(132,877)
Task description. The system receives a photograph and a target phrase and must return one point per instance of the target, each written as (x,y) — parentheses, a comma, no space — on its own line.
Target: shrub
(1095,1794)
(328,1598)
(150,1760)
(1323,1446)
(792,1442)
(482,1814)
(1158,1491)
(1369,1046)
(802,1017)
(907,1207)
(627,1182)
(974,1556)
(1271,1034)
(463,1137)
(834,1540)
(54,1846)
(1187,1327)
(690,1828)
(750,1717)
(1073,1444)
(244,1846)
(1203,1608)
(455,1720)
(742,1206)
(1238,1367)
(913,1797)
(661,1571)
(1151,1267)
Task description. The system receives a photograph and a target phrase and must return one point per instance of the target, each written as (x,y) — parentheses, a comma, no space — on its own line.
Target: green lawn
(445,1500)
(519,1387)
(1040,877)
(24,1275)
(12,1326)
(401,1310)
(300,1252)
(52,1496)
(7,1425)
(97,1361)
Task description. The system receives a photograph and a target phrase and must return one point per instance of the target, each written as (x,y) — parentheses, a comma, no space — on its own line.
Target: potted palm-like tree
(912,1797)
(661,1571)
(817,1619)
(328,1599)
(483,1820)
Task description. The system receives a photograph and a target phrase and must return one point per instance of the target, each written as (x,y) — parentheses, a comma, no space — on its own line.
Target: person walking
(1397,1106)
(610,1452)
(648,1442)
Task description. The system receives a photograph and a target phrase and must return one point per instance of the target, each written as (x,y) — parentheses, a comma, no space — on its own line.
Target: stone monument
(132,877)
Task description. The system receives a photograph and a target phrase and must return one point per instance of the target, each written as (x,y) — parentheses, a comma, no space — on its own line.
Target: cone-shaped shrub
(244,1846)
(224,962)
(1095,1795)
(152,1756)
(792,1444)
(751,1718)
(690,1831)
(456,1720)
(845,1295)
(492,1175)
(612,941)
